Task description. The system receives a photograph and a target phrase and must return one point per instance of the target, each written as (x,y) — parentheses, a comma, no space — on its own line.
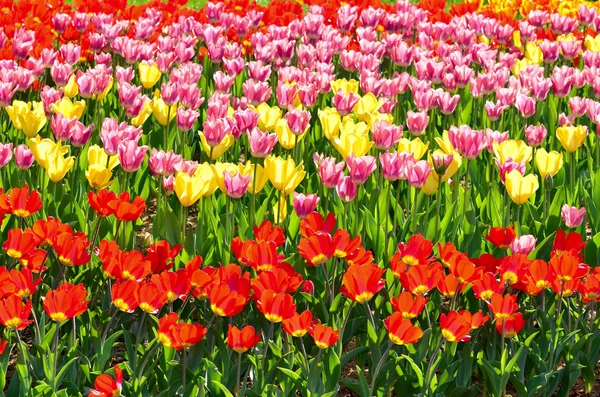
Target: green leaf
(331,370)
(416,369)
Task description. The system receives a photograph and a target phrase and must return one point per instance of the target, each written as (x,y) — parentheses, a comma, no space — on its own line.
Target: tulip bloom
(20,202)
(316,249)
(401,331)
(29,117)
(324,336)
(236,184)
(503,306)
(361,283)
(14,314)
(242,340)
(571,137)
(284,174)
(568,267)
(501,237)
(520,188)
(66,302)
(407,305)
(548,163)
(276,307)
(106,386)
(455,326)
(572,216)
(225,302)
(126,211)
(304,204)
(299,325)
(512,325)
(150,298)
(124,295)
(149,74)
(186,335)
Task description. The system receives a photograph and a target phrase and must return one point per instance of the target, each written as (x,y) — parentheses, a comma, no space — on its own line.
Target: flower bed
(312,199)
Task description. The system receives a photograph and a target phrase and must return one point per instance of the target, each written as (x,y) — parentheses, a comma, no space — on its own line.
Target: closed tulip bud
(149,74)
(571,137)
(297,120)
(305,204)
(572,216)
(169,184)
(284,175)
(23,157)
(417,122)
(535,134)
(520,188)
(5,153)
(548,164)
(308,287)
(330,122)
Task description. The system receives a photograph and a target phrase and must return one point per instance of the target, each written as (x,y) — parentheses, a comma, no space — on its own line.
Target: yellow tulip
(516,38)
(104,93)
(69,109)
(346,86)
(57,165)
(548,163)
(42,149)
(520,188)
(444,143)
(284,175)
(330,122)
(268,117)
(71,89)
(149,74)
(431,184)
(374,117)
(520,64)
(28,117)
(162,112)
(144,114)
(533,53)
(205,172)
(416,147)
(366,106)
(349,126)
(348,143)
(261,178)
(188,189)
(99,176)
(571,137)
(285,137)
(97,156)
(218,150)
(592,44)
(518,151)
(280,210)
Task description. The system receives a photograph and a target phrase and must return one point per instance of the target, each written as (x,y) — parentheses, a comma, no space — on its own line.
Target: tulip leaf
(416,369)
(331,370)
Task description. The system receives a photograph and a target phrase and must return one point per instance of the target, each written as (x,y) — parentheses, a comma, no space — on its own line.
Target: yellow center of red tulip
(23,213)
(217,310)
(321,345)
(420,290)
(408,315)
(299,334)
(543,284)
(364,297)
(60,317)
(121,305)
(128,276)
(319,259)
(410,260)
(396,340)
(147,307)
(502,316)
(510,277)
(65,261)
(13,322)
(448,335)
(14,253)
(239,349)
(164,339)
(274,318)
(487,295)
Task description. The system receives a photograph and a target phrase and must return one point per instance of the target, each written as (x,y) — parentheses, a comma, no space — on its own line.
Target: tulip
(149,74)
(304,204)
(349,143)
(188,189)
(98,176)
(236,184)
(419,174)
(284,175)
(23,157)
(131,155)
(469,143)
(523,245)
(518,151)
(346,189)
(535,134)
(29,117)
(330,122)
(6,153)
(417,122)
(261,143)
(386,136)
(164,164)
(214,152)
(69,109)
(571,137)
(163,113)
(548,164)
(57,165)
(572,216)
(520,188)
(268,117)
(360,168)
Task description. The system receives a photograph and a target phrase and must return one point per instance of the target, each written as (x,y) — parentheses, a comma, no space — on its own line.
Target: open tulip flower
(299,198)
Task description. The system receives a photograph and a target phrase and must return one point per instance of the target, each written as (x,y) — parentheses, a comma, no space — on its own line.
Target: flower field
(315,199)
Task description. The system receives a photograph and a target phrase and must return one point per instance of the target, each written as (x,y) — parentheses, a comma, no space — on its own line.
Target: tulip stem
(253,201)
(55,363)
(185,369)
(227,240)
(517,221)
(239,374)
(572,167)
(266,347)
(378,368)
(438,203)
(138,335)
(387,221)
(356,209)
(200,224)
(398,208)
(430,366)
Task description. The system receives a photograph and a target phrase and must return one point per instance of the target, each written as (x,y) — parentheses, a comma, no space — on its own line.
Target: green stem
(55,363)
(378,368)
(239,374)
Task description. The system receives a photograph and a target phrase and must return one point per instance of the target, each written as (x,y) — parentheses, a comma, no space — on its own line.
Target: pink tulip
(169,184)
(164,163)
(523,245)
(256,91)
(124,75)
(131,155)
(70,53)
(494,110)
(561,81)
(525,105)
(223,82)
(246,119)
(5,153)
(330,172)
(236,184)
(23,157)
(466,141)
(62,127)
(61,22)
(535,134)
(216,130)
(345,103)
(286,94)
(169,92)
(346,189)
(61,73)
(189,167)
(258,70)
(385,136)
(417,122)
(297,120)
(441,162)
(508,166)
(586,15)
(23,41)
(186,119)
(448,103)
(261,143)
(494,136)
(419,174)
(360,168)
(578,106)
(80,135)
(572,216)
(305,204)
(7,90)
(81,21)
